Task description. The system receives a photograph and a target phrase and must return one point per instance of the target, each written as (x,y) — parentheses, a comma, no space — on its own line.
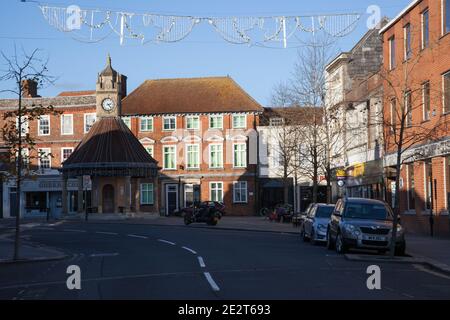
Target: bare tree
(306,88)
(14,134)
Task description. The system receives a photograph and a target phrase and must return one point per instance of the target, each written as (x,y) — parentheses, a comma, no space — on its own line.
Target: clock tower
(110,90)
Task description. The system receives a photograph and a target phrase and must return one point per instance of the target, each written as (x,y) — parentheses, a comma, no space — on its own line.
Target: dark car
(217,205)
(364,224)
(315,223)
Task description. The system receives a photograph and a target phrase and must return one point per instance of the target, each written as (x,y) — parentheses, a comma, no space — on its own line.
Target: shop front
(40,195)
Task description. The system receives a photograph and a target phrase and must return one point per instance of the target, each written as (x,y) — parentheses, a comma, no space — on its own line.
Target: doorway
(108,199)
(171,198)
(12,202)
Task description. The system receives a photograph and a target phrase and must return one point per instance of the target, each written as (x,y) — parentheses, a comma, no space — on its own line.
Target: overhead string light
(93,25)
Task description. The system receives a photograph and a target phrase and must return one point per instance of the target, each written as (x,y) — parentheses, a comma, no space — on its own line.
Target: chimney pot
(29,88)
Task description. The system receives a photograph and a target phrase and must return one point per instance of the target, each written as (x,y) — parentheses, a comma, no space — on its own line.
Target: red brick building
(417,84)
(201,131)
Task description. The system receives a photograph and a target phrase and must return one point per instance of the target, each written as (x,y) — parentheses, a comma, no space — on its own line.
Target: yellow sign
(341,173)
(358,170)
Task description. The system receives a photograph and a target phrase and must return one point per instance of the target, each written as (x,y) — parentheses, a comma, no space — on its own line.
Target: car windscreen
(367,211)
(324,212)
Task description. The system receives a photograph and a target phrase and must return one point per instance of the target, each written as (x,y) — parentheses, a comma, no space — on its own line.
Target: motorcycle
(207,213)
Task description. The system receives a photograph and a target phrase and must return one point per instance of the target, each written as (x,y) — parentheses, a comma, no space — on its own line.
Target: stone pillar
(65,209)
(127,195)
(156,195)
(138,195)
(80,194)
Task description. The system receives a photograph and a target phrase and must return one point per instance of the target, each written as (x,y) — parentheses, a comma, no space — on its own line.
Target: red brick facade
(424,64)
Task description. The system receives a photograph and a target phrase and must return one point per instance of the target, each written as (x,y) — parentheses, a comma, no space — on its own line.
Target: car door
(310,220)
(334,220)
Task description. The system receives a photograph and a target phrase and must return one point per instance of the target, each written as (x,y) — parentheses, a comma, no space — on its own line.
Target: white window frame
(275,122)
(235,183)
(62,124)
(405,42)
(215,116)
(25,125)
(46,151)
(191,118)
(216,189)
(444,93)
(151,191)
(408,108)
(85,117)
(169,118)
(239,115)
(210,157)
(425,116)
(127,122)
(164,156)
(41,118)
(187,155)
(62,152)
(444,10)
(234,154)
(147,119)
(422,15)
(392,55)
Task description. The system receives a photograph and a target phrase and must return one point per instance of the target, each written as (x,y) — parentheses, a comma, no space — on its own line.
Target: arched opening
(108,199)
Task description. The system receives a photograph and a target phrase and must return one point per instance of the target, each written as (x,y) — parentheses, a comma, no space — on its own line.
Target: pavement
(28,252)
(145,261)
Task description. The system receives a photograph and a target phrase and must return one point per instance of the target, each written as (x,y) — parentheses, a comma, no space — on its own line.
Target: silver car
(363,224)
(314,227)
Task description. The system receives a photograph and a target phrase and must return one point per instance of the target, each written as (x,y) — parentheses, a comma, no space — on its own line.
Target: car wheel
(330,244)
(313,238)
(303,235)
(340,245)
(187,219)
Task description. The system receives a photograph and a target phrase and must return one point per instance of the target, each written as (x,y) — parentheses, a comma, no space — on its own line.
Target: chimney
(29,89)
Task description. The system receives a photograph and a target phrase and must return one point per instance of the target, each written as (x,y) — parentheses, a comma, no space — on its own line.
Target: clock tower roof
(108,71)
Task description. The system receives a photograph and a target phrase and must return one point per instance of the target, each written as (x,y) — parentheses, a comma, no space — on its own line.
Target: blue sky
(203,53)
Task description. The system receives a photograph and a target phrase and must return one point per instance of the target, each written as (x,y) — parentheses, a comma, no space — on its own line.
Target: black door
(172,199)
(108,199)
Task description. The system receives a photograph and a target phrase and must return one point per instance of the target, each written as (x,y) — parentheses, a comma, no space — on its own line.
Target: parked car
(218,206)
(364,224)
(315,223)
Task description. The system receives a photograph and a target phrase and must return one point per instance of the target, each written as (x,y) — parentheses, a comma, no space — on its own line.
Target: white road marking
(74,230)
(168,242)
(211,281)
(190,250)
(95,255)
(109,233)
(201,262)
(408,295)
(137,236)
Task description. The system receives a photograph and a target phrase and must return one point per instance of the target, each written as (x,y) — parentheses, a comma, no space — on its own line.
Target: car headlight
(352,230)
(321,227)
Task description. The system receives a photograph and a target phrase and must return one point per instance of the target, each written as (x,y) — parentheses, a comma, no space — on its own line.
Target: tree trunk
(18,177)
(396,197)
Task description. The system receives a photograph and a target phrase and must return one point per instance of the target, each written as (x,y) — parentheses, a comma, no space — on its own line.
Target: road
(124,261)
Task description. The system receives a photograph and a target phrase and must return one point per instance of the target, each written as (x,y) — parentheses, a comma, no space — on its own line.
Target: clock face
(108,104)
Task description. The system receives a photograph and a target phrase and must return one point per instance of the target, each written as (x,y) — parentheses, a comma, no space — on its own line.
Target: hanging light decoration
(91,25)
